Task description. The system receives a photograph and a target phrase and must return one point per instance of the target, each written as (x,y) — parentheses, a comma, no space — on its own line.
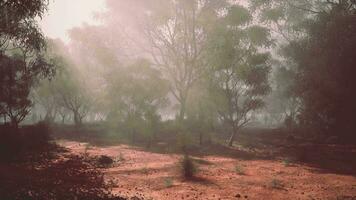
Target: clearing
(230,173)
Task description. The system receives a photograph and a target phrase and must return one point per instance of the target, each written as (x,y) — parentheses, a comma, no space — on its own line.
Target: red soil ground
(156,176)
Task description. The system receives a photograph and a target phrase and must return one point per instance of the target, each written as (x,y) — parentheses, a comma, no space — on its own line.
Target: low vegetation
(276,184)
(239,170)
(194,79)
(168,182)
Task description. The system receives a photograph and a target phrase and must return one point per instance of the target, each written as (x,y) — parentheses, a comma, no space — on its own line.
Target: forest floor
(231,173)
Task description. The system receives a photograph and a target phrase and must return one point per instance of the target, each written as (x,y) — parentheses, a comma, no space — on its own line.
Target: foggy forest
(177,99)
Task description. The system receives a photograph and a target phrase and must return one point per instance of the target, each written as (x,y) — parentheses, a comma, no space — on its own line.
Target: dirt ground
(150,175)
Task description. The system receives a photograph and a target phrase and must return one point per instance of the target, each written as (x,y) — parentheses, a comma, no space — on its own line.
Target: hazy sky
(66,14)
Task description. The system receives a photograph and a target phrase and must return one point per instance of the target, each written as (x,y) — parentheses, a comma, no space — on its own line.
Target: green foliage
(274,14)
(21,59)
(15,85)
(239,71)
(325,67)
(238,16)
(18,24)
(135,98)
(259,36)
(314,77)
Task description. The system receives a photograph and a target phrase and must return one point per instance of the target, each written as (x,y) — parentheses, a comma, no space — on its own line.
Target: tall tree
(174,36)
(320,54)
(74,96)
(22,64)
(239,67)
(136,94)
(18,25)
(326,67)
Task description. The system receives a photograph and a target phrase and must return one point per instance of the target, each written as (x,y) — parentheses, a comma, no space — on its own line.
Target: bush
(19,143)
(276,184)
(188,167)
(105,161)
(239,170)
(168,182)
(286,162)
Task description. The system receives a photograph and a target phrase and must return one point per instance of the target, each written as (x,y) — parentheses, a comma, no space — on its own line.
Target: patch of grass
(286,162)
(168,182)
(188,167)
(276,184)
(239,170)
(145,170)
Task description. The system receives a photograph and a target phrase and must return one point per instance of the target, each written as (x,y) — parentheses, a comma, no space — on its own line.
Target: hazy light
(66,14)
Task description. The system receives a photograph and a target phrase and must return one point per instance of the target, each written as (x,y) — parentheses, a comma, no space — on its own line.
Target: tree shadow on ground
(64,176)
(268,144)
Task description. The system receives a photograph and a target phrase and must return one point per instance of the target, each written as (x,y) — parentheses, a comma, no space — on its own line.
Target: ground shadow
(268,144)
(64,176)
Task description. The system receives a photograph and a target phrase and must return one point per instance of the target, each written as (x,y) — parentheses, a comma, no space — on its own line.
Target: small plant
(168,182)
(120,157)
(188,167)
(276,184)
(145,170)
(286,162)
(239,170)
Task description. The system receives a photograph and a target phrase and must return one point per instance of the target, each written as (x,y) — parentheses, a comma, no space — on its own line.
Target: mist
(177,99)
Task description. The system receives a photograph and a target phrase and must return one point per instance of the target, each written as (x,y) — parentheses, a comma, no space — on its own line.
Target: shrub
(276,184)
(21,143)
(239,170)
(105,161)
(168,182)
(188,167)
(145,170)
(286,162)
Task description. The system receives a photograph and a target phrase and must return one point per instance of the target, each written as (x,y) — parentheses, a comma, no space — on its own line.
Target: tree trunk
(200,138)
(14,123)
(133,136)
(63,118)
(77,119)
(181,111)
(232,137)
